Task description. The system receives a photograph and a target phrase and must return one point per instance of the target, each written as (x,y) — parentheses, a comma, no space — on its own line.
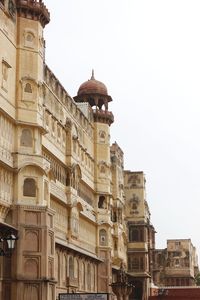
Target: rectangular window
(136,263)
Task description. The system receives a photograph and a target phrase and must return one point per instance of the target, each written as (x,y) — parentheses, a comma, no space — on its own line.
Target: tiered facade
(62,184)
(177,265)
(141,233)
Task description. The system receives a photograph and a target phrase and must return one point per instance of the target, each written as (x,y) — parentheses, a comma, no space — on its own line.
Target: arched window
(29,187)
(57,266)
(89,277)
(31,268)
(71,267)
(102,136)
(75,268)
(102,202)
(83,275)
(103,237)
(114,216)
(26,139)
(92,277)
(28,88)
(64,268)
(46,191)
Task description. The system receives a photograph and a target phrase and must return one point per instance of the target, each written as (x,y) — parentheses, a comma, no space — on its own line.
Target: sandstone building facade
(176,265)
(63,190)
(141,233)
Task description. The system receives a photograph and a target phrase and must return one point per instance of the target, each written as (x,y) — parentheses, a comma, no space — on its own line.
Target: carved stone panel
(31,267)
(32,240)
(29,39)
(32,217)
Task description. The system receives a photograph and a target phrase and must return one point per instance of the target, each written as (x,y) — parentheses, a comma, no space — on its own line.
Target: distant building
(176,293)
(176,265)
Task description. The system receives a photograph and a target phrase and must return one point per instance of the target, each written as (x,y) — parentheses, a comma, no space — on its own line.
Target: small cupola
(95,93)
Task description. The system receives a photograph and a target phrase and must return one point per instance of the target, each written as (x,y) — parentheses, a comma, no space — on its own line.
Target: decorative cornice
(33,9)
(103,116)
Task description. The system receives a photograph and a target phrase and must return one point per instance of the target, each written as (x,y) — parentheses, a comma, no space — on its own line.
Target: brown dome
(92,86)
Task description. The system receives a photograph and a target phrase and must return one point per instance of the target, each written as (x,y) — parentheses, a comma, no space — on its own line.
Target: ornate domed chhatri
(95,93)
(92,86)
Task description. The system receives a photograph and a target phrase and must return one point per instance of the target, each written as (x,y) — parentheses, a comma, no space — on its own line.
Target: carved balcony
(21,160)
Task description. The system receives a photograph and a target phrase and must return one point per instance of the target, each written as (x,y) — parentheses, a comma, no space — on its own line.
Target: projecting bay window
(136,234)
(136,263)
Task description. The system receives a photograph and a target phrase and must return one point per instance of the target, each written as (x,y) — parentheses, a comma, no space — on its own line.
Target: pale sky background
(148,55)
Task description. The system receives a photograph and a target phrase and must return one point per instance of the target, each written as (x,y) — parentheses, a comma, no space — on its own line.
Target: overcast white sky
(148,55)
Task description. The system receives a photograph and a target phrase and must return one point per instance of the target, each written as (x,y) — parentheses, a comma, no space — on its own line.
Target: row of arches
(71,268)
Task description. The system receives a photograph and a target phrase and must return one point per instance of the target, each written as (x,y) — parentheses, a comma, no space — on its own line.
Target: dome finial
(92,77)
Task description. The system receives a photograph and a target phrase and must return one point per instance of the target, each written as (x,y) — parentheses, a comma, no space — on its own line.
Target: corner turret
(34,10)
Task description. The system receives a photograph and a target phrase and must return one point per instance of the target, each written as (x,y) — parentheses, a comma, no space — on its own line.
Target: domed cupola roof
(92,86)
(95,93)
